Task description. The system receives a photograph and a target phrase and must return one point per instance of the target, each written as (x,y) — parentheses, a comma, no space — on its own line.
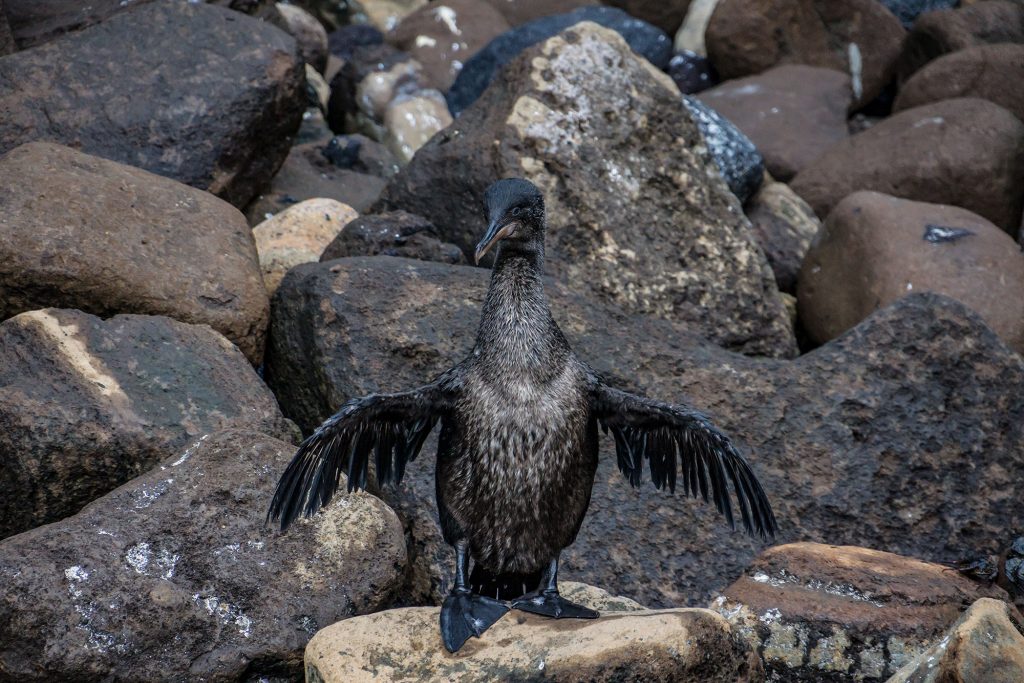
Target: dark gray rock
(342,42)
(742,166)
(909,10)
(86,404)
(369,79)
(175,577)
(691,72)
(360,154)
(7,45)
(903,435)
(197,93)
(637,212)
(477,73)
(396,233)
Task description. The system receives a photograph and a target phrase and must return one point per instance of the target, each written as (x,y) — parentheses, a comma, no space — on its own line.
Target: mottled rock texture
(174,576)
(78,231)
(966,152)
(841,613)
(737,159)
(128,89)
(902,434)
(310,35)
(784,226)
(679,645)
(858,37)
(86,404)
(637,211)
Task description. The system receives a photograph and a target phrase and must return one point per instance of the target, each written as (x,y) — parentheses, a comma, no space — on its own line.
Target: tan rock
(690,35)
(297,235)
(824,612)
(386,14)
(677,645)
(309,34)
(985,645)
(412,120)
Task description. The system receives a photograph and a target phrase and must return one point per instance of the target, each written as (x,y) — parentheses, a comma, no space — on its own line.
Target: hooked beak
(496,232)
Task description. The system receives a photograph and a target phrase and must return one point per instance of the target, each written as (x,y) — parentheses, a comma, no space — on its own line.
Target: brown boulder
(443,35)
(310,35)
(86,404)
(677,645)
(938,33)
(396,233)
(518,12)
(175,577)
(841,613)
(874,248)
(983,71)
(965,152)
(667,15)
(792,113)
(862,442)
(985,644)
(78,231)
(637,211)
(858,37)
(197,93)
(784,226)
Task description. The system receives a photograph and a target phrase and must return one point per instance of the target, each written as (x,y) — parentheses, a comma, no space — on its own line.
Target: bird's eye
(515,211)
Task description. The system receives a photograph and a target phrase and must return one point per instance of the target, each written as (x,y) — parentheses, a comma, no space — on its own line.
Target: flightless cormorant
(518,446)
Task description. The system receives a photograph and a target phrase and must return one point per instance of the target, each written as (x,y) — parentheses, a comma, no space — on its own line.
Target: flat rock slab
(904,434)
(679,645)
(86,404)
(175,577)
(78,231)
(841,613)
(637,211)
(194,92)
(967,152)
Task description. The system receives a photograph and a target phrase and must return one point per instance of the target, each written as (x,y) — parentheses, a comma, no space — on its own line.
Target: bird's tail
(502,586)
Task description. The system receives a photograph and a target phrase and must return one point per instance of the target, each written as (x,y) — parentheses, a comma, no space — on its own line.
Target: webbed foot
(466,614)
(550,604)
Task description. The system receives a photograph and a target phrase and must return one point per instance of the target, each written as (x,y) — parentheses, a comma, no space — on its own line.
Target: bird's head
(515,214)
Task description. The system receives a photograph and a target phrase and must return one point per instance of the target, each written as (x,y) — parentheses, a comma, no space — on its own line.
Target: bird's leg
(546,600)
(464,613)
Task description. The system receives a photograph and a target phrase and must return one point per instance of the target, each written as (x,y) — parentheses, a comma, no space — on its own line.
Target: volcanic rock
(741,165)
(517,12)
(78,231)
(965,152)
(690,35)
(907,11)
(637,212)
(411,120)
(784,226)
(665,14)
(691,72)
(395,233)
(310,35)
(175,576)
(128,89)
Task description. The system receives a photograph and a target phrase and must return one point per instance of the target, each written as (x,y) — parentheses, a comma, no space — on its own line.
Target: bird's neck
(517,333)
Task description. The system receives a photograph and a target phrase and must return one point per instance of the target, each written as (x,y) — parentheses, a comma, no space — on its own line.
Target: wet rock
(980,168)
(361,154)
(342,43)
(741,165)
(318,92)
(985,644)
(945,31)
(983,71)
(684,645)
(443,35)
(87,404)
(77,231)
(366,84)
(411,120)
(517,12)
(386,15)
(396,233)
(784,226)
(841,613)
(791,113)
(665,14)
(174,575)
(298,235)
(863,441)
(691,72)
(596,147)
(126,89)
(875,248)
(645,40)
(310,35)
(858,37)
(690,35)
(307,174)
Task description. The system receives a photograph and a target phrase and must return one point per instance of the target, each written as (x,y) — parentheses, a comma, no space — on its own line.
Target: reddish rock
(77,231)
(784,226)
(201,94)
(791,113)
(965,152)
(945,31)
(667,15)
(841,613)
(983,71)
(874,248)
(746,37)
(518,12)
(443,35)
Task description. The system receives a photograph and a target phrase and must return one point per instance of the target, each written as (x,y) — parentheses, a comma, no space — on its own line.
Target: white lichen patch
(75,575)
(225,612)
(830,653)
(146,495)
(138,556)
(449,18)
(188,452)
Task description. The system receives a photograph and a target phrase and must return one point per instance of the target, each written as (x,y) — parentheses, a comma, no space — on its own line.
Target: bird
(521,419)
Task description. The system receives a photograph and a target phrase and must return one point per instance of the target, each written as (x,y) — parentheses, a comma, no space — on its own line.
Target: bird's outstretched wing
(392,427)
(676,438)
